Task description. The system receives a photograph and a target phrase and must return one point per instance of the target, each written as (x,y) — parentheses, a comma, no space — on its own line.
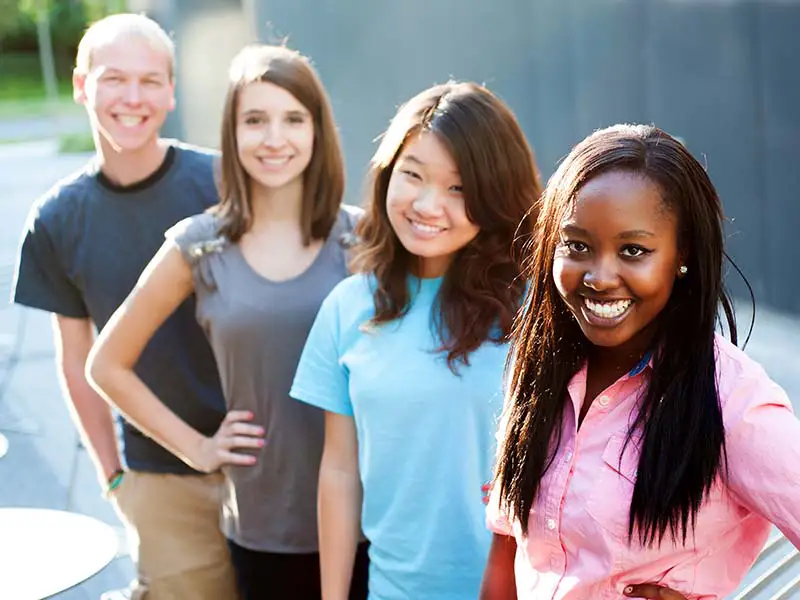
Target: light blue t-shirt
(425,438)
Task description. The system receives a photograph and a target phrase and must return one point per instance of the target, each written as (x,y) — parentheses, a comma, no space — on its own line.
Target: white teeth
(275,162)
(426,228)
(127,121)
(607,310)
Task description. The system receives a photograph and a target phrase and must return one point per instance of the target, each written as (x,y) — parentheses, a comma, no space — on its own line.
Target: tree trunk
(46,51)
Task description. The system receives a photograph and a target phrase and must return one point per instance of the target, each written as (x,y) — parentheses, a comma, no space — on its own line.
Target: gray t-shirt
(86,243)
(257,329)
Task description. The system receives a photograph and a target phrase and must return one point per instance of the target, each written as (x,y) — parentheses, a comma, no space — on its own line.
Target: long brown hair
(323,184)
(482,289)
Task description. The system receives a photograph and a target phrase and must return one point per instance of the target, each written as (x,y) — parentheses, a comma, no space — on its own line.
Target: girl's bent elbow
(96,370)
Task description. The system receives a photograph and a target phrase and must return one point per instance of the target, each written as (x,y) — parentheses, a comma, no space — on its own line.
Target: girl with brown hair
(407,356)
(259,265)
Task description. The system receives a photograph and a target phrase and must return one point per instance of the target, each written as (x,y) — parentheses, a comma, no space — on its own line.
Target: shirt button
(568,456)
(603,400)
(551,524)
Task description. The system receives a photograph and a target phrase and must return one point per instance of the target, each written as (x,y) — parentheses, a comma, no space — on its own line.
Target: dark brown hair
(678,423)
(323,184)
(482,289)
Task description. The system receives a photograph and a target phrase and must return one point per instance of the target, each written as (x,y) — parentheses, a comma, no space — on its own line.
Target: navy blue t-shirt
(84,247)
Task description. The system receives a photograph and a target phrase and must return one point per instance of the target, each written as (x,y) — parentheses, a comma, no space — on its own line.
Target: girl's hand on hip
(234,433)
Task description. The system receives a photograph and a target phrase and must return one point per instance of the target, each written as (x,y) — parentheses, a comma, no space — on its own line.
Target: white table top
(44,552)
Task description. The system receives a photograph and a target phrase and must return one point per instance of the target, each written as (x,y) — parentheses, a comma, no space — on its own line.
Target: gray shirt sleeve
(197,238)
(352,215)
(192,234)
(349,216)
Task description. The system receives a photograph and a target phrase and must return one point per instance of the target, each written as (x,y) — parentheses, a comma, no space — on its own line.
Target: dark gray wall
(374,55)
(720,74)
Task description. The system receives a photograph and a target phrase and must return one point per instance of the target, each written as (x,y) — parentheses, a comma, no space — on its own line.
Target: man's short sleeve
(40,280)
(321,379)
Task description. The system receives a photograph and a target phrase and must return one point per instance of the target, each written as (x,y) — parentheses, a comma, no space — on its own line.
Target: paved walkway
(45,467)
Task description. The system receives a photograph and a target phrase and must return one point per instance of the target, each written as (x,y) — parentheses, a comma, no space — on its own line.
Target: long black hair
(678,423)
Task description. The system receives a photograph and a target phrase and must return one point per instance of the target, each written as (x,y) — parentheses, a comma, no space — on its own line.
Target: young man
(85,244)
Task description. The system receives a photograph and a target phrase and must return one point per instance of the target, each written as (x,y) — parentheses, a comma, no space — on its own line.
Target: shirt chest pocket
(609,508)
(610,501)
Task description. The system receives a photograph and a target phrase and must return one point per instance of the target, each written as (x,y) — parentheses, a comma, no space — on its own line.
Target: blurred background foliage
(38,40)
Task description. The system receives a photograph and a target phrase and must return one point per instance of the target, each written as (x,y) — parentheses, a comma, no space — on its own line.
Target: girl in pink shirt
(643,454)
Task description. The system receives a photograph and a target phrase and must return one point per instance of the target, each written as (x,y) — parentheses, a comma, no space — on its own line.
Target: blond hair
(113,27)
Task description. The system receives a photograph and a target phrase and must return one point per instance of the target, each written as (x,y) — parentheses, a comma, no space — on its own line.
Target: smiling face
(425,204)
(617,260)
(127,92)
(274,135)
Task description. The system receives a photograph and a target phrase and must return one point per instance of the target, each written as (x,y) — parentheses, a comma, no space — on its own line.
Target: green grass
(22,93)
(38,107)
(22,87)
(68,143)
(75,143)
(13,140)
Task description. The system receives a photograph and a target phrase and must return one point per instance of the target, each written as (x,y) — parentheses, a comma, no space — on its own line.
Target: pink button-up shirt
(577,547)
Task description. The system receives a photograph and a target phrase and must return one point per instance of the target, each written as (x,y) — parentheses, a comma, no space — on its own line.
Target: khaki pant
(173,523)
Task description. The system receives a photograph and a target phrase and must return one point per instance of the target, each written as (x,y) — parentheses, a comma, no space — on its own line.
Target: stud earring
(683,270)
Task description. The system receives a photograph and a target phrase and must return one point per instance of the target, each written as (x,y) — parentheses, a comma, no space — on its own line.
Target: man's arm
(41,282)
(91,414)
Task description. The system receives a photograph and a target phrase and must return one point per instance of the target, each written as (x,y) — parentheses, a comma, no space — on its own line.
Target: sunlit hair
(323,179)
(482,289)
(120,27)
(678,425)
